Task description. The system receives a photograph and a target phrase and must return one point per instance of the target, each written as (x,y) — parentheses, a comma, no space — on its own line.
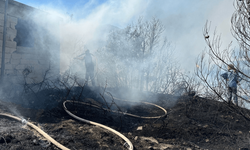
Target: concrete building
(32,42)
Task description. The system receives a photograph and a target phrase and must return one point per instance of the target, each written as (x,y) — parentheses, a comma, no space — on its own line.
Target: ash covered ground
(192,123)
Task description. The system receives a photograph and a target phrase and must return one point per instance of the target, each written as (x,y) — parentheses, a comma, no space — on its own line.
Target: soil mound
(191,123)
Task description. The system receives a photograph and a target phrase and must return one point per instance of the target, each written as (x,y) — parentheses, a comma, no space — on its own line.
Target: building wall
(37,59)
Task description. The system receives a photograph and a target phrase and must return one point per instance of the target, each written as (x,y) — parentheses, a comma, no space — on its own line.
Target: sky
(183,20)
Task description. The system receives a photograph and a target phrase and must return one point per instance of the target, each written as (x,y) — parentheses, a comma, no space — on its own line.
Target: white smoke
(183,20)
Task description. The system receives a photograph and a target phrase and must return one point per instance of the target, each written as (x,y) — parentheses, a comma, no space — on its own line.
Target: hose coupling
(126,145)
(24,121)
(124,113)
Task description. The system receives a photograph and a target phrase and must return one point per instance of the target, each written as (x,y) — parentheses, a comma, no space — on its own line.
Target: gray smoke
(88,27)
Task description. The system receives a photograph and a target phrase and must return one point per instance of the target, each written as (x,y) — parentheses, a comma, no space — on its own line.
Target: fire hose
(37,129)
(127,143)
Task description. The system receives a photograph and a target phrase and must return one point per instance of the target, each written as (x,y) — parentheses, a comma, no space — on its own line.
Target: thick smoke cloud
(86,26)
(183,20)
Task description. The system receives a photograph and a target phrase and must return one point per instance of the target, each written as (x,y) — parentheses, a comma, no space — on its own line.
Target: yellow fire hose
(136,116)
(37,129)
(128,144)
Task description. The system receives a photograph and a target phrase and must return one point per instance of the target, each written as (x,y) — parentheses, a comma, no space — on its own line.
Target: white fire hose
(37,129)
(127,143)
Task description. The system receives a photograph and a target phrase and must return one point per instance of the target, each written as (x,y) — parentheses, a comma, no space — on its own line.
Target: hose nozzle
(24,121)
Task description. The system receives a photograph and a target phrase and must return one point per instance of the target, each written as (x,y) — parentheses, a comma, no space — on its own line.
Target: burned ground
(191,123)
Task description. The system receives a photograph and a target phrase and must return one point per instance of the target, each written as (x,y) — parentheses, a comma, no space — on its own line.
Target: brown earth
(192,123)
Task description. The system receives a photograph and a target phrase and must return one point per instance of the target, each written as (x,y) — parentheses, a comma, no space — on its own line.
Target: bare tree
(140,57)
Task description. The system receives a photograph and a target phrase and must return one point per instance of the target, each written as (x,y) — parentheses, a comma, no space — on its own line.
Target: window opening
(25,35)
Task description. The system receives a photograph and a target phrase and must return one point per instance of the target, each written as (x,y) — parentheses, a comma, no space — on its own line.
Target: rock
(139,128)
(35,142)
(162,146)
(151,139)
(205,126)
(136,138)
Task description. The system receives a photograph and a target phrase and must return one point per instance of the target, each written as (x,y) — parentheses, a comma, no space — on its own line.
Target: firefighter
(232,78)
(90,67)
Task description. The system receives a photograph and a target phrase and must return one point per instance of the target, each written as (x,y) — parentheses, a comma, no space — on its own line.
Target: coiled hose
(128,144)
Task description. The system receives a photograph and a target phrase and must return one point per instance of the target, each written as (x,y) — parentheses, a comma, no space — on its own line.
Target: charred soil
(192,123)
